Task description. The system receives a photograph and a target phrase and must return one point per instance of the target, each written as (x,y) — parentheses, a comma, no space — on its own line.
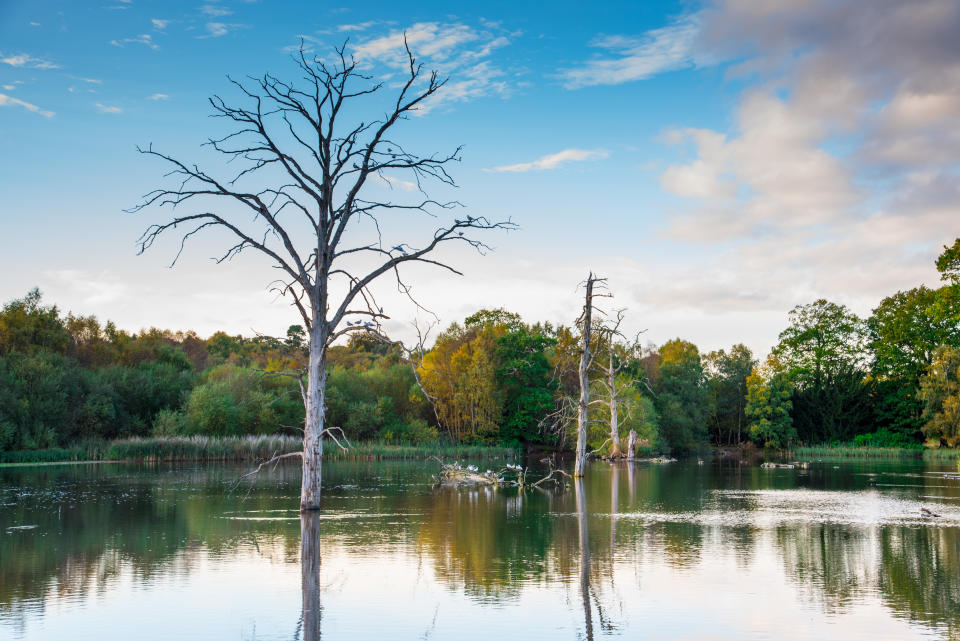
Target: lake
(721,550)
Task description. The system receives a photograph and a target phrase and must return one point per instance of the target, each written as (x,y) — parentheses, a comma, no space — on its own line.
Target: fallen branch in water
(508,476)
(456,474)
(550,477)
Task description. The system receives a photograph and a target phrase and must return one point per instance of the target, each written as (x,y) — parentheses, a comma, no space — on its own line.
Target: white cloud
(218,29)
(9,101)
(92,289)
(395,183)
(840,176)
(143,39)
(215,11)
(107,109)
(455,50)
(160,24)
(158,96)
(361,26)
(552,161)
(27,61)
(9,87)
(630,58)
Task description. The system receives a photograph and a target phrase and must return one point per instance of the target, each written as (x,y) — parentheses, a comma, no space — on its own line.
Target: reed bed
(243,448)
(852,451)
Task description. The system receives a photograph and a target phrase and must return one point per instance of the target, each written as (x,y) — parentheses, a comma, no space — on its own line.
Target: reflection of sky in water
(675,553)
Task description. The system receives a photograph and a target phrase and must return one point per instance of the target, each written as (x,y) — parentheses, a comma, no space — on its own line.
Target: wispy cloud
(158,96)
(457,50)
(94,289)
(160,24)
(27,61)
(107,109)
(360,26)
(215,11)
(395,183)
(10,101)
(552,161)
(218,29)
(629,58)
(143,39)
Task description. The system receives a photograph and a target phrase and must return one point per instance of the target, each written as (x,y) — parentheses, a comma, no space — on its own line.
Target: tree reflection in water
(310,557)
(97,530)
(583,539)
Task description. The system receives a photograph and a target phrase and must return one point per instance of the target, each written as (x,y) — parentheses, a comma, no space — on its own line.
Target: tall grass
(852,451)
(241,448)
(375,450)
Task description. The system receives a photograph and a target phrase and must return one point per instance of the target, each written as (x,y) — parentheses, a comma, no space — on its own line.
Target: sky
(719,162)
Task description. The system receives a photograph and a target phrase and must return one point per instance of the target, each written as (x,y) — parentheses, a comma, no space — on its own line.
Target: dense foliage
(889,380)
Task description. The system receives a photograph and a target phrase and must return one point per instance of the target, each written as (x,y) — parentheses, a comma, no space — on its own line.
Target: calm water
(681,551)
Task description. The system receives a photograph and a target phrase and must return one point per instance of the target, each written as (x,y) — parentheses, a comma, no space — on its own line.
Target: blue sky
(720,161)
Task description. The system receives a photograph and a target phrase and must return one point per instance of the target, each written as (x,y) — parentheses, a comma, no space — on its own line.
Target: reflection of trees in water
(916,570)
(920,574)
(312,610)
(829,563)
(93,524)
(486,541)
(490,544)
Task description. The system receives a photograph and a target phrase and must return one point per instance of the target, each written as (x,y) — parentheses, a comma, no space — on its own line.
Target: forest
(889,380)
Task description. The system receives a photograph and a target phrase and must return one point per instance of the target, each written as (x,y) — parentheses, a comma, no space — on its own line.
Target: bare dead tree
(586,359)
(609,370)
(299,198)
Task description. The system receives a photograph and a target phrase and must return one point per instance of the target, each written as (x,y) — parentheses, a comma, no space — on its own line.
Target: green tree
(905,330)
(822,338)
(682,400)
(727,384)
(948,263)
(527,383)
(26,325)
(940,391)
(768,408)
(823,352)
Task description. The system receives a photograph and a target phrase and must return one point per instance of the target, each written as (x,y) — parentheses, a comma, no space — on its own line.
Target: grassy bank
(851,451)
(242,448)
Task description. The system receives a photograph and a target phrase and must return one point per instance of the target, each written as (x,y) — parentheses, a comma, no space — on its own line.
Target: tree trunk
(584,541)
(614,505)
(310,575)
(581,462)
(314,421)
(632,445)
(614,422)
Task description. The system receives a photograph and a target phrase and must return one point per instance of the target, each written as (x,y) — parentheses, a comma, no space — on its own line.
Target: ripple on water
(773,508)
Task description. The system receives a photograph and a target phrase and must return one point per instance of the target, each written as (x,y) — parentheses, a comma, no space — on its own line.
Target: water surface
(681,551)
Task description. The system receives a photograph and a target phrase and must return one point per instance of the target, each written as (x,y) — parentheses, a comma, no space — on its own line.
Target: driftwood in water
(553,477)
(508,476)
